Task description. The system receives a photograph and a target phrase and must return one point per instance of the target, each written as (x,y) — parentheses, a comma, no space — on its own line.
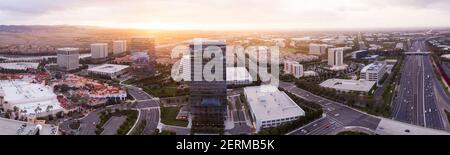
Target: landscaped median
(169,115)
(104,116)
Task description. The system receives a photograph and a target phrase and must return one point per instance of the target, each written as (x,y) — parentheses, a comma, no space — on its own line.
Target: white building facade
(68,58)
(336,56)
(271,107)
(99,50)
(317,49)
(119,46)
(374,71)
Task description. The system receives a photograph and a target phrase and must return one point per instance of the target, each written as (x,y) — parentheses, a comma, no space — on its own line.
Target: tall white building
(318,49)
(99,50)
(336,56)
(185,67)
(297,70)
(374,71)
(288,66)
(68,58)
(119,46)
(294,68)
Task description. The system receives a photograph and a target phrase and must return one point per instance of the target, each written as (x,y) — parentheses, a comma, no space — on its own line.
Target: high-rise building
(336,56)
(68,58)
(207,97)
(294,68)
(143,55)
(185,67)
(318,49)
(297,70)
(119,46)
(99,50)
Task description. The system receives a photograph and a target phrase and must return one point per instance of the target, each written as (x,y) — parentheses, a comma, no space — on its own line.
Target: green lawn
(169,114)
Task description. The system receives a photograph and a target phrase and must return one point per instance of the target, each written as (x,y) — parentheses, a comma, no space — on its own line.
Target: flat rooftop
(268,103)
(108,68)
(349,85)
(68,49)
(28,96)
(14,127)
(238,74)
(19,65)
(373,67)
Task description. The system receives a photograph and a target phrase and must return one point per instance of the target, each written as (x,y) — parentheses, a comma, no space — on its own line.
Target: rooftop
(349,85)
(19,65)
(108,68)
(268,103)
(238,74)
(28,96)
(68,49)
(373,67)
(14,127)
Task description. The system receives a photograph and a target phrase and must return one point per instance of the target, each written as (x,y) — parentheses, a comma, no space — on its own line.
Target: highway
(337,115)
(419,93)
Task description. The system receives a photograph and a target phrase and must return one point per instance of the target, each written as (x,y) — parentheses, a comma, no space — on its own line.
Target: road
(149,107)
(337,115)
(419,93)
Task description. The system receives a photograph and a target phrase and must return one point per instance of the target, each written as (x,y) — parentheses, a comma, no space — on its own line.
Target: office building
(185,68)
(119,46)
(143,55)
(297,70)
(271,107)
(317,49)
(68,58)
(374,71)
(207,97)
(360,54)
(30,99)
(99,50)
(349,85)
(294,68)
(336,56)
(112,71)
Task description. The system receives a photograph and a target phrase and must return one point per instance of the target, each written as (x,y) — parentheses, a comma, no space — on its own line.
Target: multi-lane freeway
(420,95)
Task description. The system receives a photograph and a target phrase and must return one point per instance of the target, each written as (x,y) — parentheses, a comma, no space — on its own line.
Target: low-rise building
(110,70)
(22,66)
(14,127)
(360,54)
(349,85)
(271,107)
(29,98)
(374,71)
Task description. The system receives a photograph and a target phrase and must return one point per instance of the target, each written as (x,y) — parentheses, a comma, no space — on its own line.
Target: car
(407,130)
(314,125)
(336,115)
(304,131)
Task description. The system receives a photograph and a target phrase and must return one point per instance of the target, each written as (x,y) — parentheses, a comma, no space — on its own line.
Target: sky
(228,14)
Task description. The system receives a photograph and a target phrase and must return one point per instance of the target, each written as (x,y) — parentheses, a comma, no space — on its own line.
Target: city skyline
(229,15)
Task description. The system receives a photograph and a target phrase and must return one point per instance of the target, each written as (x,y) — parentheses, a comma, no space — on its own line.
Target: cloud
(228,13)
